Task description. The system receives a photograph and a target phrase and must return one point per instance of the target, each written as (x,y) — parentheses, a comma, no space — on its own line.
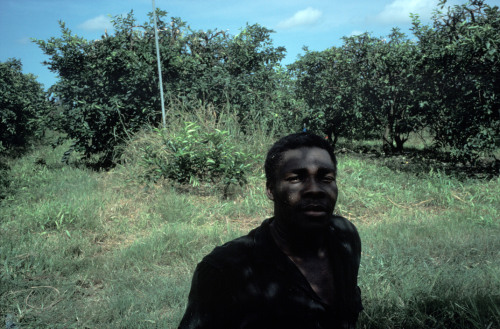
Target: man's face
(305,190)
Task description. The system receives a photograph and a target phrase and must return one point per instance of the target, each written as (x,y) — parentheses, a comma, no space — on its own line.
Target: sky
(317,24)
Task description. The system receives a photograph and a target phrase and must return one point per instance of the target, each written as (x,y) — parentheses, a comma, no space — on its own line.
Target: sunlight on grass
(101,249)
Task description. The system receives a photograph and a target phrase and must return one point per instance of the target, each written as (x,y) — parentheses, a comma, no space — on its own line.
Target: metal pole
(159,68)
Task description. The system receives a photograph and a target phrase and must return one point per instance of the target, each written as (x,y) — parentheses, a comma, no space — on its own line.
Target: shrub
(198,158)
(108,88)
(23,106)
(4,178)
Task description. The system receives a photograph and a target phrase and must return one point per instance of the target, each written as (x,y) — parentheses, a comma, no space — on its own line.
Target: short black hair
(292,142)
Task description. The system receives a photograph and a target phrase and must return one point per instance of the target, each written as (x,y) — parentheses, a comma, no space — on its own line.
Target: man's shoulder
(346,233)
(343,225)
(232,253)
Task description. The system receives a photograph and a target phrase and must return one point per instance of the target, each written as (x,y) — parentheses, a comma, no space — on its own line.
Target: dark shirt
(250,283)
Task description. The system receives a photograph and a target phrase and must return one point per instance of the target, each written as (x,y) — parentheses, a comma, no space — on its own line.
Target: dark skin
(304,195)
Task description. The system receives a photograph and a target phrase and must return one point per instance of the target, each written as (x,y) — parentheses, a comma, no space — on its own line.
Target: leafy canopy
(23,105)
(108,88)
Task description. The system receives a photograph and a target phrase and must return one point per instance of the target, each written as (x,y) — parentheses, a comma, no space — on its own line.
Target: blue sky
(317,24)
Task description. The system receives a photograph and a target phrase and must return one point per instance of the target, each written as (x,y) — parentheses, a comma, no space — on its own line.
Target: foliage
(23,106)
(460,59)
(325,82)
(198,157)
(105,89)
(389,84)
(4,178)
(108,88)
(446,81)
(239,71)
(367,87)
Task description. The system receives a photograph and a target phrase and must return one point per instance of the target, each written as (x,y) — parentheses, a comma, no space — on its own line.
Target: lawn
(87,249)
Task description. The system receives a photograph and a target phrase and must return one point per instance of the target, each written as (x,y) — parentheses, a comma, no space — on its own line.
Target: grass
(86,249)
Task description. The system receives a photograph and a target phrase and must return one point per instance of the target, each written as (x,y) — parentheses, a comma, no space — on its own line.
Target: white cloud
(101,22)
(399,10)
(23,41)
(356,32)
(307,16)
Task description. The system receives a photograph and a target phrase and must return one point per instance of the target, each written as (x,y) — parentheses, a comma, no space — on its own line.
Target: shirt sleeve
(358,305)
(350,245)
(356,259)
(209,302)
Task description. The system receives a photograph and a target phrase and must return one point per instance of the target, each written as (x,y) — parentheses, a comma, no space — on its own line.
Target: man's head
(301,181)
(291,142)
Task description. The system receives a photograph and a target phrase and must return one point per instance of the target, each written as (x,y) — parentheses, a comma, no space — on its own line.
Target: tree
(326,82)
(241,71)
(364,88)
(23,105)
(109,87)
(253,65)
(388,81)
(106,87)
(460,59)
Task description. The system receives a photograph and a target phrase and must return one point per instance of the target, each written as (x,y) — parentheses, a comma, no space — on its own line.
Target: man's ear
(269,191)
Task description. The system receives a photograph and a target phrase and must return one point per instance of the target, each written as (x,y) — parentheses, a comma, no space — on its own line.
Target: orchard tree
(106,87)
(240,71)
(460,58)
(388,82)
(254,67)
(327,83)
(23,105)
(365,88)
(109,87)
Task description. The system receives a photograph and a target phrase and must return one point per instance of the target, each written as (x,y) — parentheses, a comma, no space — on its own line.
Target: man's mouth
(315,210)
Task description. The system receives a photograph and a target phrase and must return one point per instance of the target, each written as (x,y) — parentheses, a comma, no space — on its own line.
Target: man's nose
(313,186)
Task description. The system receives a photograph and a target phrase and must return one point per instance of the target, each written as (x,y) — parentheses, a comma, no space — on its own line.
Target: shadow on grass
(435,312)
(418,161)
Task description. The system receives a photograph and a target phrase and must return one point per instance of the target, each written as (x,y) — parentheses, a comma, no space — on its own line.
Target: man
(299,268)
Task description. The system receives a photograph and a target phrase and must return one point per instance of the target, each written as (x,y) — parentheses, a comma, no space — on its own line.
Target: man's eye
(328,179)
(293,179)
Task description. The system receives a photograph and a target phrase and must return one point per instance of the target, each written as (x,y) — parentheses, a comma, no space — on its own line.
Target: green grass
(431,247)
(86,249)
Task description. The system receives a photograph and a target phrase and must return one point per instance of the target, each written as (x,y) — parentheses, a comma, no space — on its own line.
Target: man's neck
(298,243)
(310,256)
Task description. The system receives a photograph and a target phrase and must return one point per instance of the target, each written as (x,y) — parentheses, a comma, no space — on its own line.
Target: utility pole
(159,68)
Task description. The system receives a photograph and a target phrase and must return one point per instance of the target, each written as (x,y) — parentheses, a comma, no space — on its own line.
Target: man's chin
(313,221)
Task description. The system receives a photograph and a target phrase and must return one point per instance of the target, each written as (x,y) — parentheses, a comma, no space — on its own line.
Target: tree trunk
(399,143)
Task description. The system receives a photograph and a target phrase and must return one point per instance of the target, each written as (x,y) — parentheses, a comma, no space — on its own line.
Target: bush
(4,179)
(23,106)
(198,158)
(108,88)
